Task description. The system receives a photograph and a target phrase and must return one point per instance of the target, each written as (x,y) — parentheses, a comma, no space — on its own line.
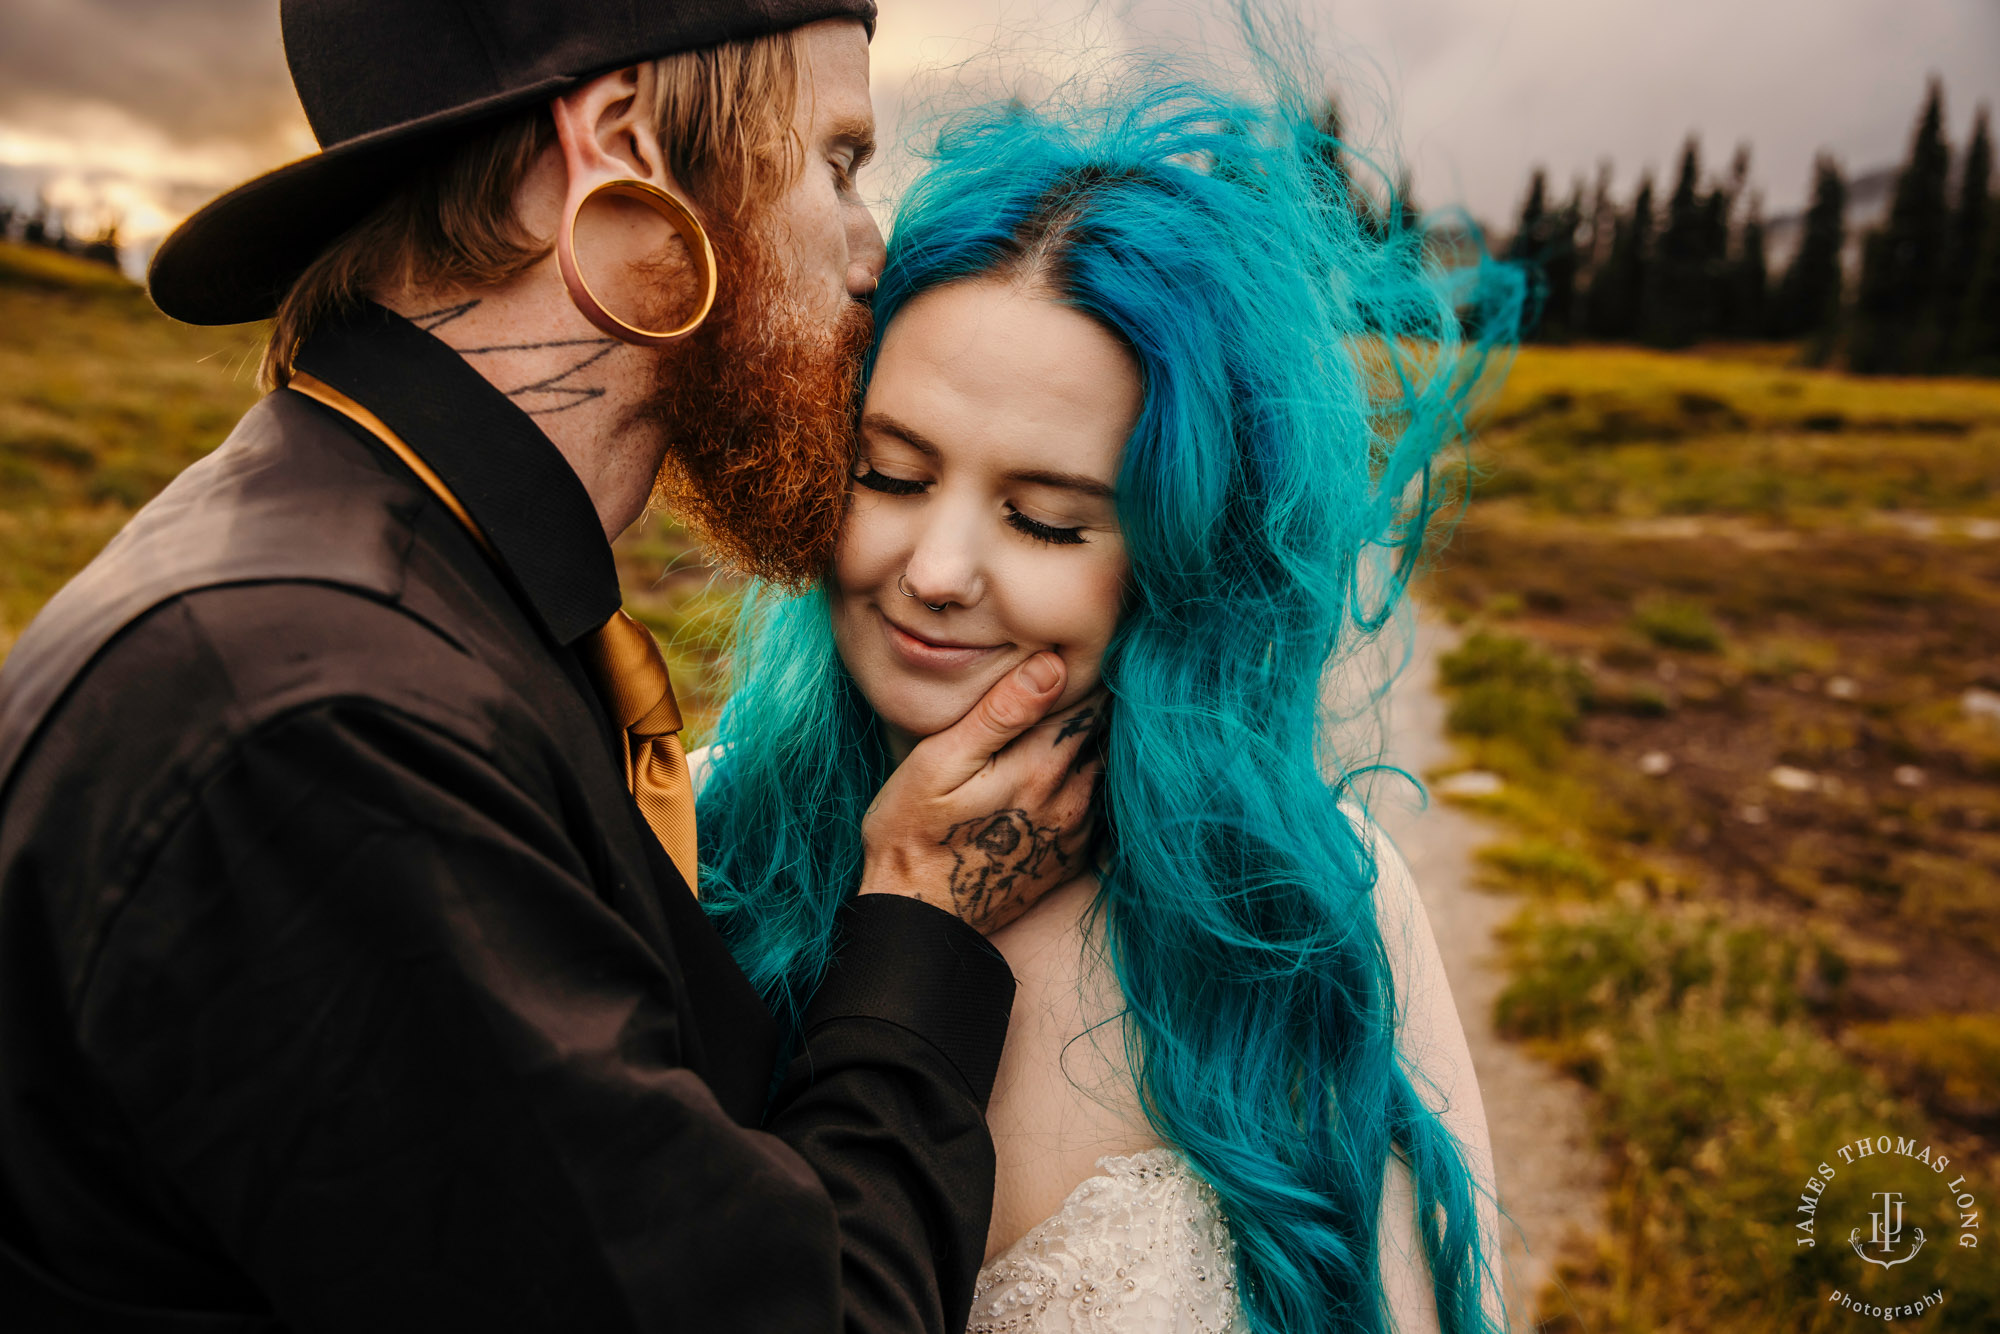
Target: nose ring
(901,588)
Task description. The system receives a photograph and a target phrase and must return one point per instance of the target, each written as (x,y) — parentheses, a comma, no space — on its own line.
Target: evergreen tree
(1676,310)
(1979,331)
(103,247)
(1560,318)
(1526,250)
(1527,232)
(1749,277)
(1598,226)
(1808,299)
(1405,214)
(1639,257)
(1593,241)
(1899,316)
(1716,303)
(1616,301)
(1739,171)
(1602,310)
(1718,244)
(1971,224)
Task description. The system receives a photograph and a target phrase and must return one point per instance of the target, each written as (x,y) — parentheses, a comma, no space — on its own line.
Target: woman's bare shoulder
(1432,1036)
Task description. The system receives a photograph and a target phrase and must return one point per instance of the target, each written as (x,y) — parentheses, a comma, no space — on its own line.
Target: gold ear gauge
(684,223)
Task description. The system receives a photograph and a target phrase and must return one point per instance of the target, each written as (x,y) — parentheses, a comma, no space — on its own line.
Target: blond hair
(724,117)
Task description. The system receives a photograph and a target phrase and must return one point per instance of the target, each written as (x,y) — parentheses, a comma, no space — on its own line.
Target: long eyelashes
(1043,532)
(887,485)
(876,480)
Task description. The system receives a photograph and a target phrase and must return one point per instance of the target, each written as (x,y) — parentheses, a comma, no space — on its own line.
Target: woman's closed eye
(1044,532)
(876,480)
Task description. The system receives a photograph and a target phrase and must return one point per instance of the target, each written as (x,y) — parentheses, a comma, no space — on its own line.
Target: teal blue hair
(1303,365)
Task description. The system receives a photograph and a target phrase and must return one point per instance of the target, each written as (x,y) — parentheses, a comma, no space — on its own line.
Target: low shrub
(1545,869)
(1504,687)
(1579,969)
(1950,1061)
(1676,623)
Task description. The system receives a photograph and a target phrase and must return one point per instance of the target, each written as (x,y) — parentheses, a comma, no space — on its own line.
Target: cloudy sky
(147,107)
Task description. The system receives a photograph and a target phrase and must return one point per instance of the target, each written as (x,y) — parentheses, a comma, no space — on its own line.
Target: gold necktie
(623,660)
(629,672)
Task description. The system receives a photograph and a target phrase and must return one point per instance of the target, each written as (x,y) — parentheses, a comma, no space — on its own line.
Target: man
(350,976)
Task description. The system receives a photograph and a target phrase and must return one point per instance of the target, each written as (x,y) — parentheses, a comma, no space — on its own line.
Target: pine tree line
(1926,299)
(46,227)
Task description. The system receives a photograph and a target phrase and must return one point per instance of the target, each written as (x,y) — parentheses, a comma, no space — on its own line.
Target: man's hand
(986,817)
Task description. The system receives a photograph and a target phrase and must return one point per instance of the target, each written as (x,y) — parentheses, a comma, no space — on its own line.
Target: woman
(1151,390)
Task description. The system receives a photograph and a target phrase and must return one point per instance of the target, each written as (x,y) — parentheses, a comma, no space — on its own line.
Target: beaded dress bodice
(1140,1249)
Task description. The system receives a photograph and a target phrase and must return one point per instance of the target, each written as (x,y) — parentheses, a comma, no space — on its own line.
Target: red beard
(757,409)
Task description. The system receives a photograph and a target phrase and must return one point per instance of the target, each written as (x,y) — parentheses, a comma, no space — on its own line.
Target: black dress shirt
(344,987)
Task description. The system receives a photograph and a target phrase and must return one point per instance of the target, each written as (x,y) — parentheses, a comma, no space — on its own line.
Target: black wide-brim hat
(387,83)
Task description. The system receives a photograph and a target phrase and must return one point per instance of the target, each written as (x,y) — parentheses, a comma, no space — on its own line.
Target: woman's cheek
(1085,609)
(865,546)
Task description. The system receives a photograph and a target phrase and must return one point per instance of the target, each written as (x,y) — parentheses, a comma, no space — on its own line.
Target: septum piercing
(934,606)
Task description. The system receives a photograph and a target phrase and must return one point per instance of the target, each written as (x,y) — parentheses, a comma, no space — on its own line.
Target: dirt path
(1548,1174)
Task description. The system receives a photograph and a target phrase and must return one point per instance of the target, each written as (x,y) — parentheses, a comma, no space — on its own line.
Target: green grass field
(1733,642)
(102,401)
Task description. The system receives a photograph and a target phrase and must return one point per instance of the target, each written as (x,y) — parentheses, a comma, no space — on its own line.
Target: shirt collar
(503,468)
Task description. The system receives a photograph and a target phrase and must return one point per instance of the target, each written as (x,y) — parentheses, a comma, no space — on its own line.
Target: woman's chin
(917,721)
(916,707)
(912,711)
(923,713)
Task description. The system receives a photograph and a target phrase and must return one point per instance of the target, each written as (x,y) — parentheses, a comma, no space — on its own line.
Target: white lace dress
(1141,1249)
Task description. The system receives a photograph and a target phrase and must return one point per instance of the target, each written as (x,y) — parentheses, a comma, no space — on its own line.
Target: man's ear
(605,129)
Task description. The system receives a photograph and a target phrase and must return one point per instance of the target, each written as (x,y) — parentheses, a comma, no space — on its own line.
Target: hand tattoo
(994,854)
(1089,724)
(1083,722)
